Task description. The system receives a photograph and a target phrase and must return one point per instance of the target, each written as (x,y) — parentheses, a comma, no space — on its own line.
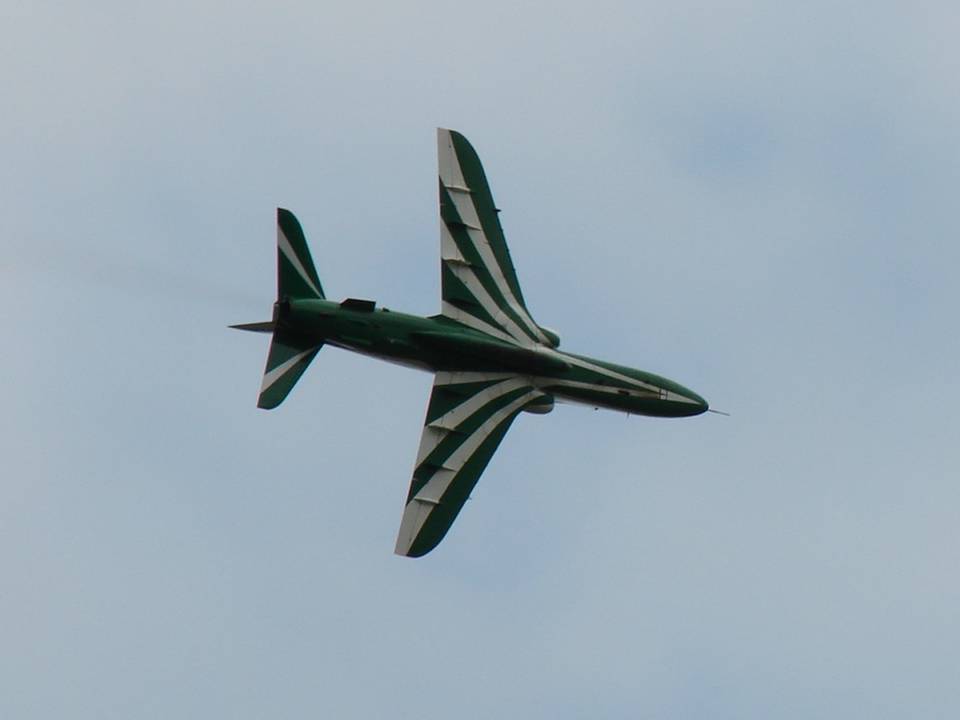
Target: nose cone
(675,400)
(686,402)
(699,405)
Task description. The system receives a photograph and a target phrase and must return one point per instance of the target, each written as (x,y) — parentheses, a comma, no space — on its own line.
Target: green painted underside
(487,212)
(443,515)
(491,359)
(401,338)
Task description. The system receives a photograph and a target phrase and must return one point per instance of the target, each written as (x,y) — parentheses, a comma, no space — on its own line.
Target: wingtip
(442,131)
(410,554)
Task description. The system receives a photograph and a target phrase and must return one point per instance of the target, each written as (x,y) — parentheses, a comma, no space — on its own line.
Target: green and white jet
(491,360)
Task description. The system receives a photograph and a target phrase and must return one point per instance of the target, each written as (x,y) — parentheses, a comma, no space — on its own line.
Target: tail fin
(290,351)
(296,276)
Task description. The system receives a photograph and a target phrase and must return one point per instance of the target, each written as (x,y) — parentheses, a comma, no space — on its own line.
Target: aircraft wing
(468,415)
(479,283)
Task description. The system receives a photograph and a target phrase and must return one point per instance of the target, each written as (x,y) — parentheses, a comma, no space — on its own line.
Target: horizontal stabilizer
(289,356)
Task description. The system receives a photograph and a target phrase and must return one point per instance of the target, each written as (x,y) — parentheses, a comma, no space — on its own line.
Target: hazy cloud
(753,199)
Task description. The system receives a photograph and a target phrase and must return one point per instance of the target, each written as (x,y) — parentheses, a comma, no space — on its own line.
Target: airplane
(490,359)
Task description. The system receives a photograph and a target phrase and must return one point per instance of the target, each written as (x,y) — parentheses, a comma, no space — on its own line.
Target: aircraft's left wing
(468,415)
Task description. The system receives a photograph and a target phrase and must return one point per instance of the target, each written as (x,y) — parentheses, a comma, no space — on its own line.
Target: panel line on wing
(469,279)
(461,207)
(456,292)
(449,250)
(453,418)
(478,238)
(448,163)
(431,493)
(445,377)
(463,252)
(464,318)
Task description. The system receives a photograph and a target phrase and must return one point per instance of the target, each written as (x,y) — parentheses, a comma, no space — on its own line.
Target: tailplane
(288,357)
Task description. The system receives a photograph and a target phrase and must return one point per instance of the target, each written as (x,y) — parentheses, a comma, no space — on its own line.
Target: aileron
(449,466)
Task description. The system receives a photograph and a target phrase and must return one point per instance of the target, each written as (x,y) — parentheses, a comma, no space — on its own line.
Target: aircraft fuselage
(439,344)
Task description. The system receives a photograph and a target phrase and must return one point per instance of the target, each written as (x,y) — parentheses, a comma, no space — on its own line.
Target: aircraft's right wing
(478,281)
(468,415)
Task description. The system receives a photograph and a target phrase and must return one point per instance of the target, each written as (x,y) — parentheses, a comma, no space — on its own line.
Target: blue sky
(754,200)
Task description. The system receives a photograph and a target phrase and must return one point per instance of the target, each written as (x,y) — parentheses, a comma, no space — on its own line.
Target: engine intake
(552,336)
(540,406)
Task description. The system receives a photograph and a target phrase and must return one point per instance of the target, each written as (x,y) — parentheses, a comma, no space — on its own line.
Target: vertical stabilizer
(296,275)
